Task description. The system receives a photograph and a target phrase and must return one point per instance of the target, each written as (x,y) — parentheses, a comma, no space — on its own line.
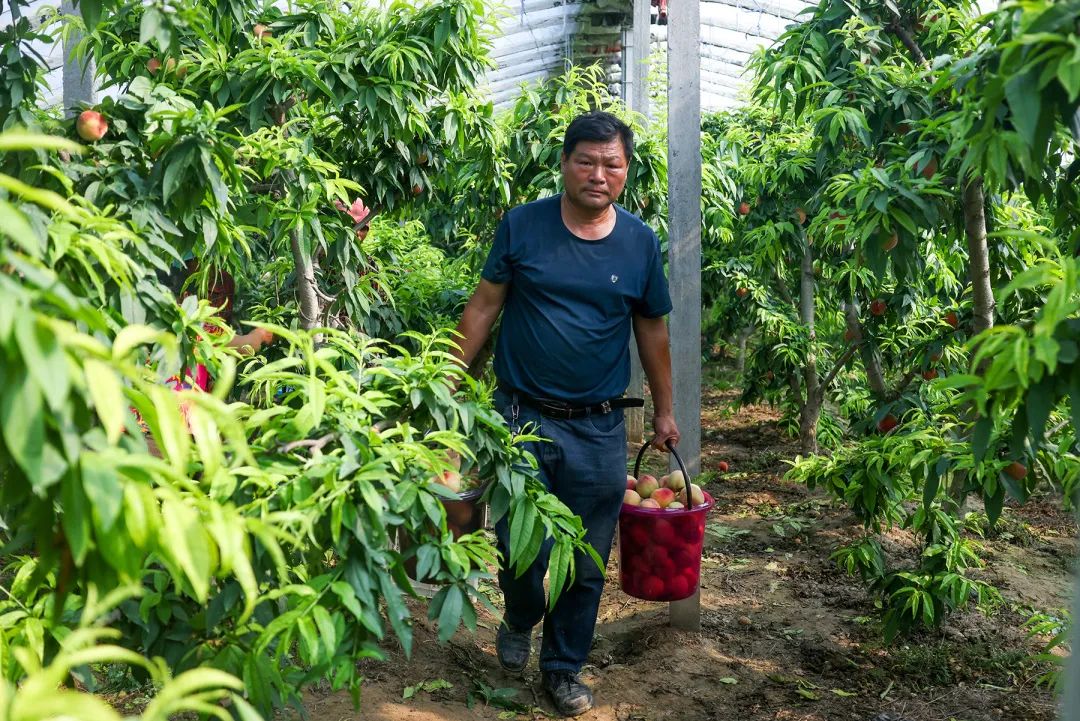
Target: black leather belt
(567,412)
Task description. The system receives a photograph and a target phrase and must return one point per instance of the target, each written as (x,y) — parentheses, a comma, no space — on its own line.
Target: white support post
(684,224)
(1071,701)
(641,39)
(636,72)
(78,81)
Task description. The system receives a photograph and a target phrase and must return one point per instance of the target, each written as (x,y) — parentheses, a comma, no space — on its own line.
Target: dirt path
(785,636)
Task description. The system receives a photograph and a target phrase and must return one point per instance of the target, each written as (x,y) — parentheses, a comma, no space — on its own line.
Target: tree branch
(870,357)
(909,42)
(315,444)
(904,383)
(796,391)
(305,284)
(782,288)
(840,363)
(263,189)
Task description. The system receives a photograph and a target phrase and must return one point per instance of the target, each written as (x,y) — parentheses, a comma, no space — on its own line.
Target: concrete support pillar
(78,81)
(684,223)
(637,97)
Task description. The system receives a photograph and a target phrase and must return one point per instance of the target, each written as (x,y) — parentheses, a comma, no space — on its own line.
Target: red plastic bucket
(660,550)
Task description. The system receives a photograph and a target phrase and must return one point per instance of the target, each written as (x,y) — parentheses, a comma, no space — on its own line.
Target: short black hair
(598,127)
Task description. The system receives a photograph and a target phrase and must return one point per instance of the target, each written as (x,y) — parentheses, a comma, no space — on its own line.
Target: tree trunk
(743,337)
(868,351)
(808,423)
(811,410)
(978,256)
(305,284)
(982,296)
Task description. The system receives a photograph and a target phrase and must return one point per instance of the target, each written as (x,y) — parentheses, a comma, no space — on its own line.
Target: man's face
(594,174)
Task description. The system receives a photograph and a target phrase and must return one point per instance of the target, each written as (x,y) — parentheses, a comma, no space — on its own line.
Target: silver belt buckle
(605,407)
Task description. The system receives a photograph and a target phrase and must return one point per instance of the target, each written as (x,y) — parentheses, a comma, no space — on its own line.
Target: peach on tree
(91,125)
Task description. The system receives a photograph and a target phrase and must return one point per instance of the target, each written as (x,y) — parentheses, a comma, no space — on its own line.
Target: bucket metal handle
(678,459)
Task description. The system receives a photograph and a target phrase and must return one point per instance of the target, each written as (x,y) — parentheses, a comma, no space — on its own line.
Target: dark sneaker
(570,695)
(513,648)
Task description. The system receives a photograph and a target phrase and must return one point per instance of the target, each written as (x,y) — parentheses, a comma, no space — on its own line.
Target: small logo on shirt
(614,279)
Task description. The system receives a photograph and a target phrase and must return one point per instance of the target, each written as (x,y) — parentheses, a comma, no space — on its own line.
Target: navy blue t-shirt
(570,302)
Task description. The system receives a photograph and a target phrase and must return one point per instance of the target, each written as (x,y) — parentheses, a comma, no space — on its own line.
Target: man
(571,274)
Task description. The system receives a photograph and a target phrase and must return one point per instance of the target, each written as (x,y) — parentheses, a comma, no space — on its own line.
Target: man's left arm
(652,342)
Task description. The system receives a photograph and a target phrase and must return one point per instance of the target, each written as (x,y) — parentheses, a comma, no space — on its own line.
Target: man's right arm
(480,314)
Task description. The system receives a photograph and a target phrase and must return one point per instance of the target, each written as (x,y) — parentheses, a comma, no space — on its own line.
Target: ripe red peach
(676,481)
(678,587)
(652,586)
(663,496)
(646,486)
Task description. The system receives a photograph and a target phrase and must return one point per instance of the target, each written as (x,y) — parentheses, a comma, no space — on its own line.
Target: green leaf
(560,571)
(245,710)
(994,504)
(102,488)
(62,703)
(450,614)
(310,639)
(397,612)
(108,397)
(15,226)
(932,484)
(327,630)
(182,536)
(1040,402)
(522,519)
(75,517)
(132,336)
(156,26)
(174,695)
(23,424)
(1068,74)
(981,437)
(175,172)
(45,359)
(11,140)
(1025,105)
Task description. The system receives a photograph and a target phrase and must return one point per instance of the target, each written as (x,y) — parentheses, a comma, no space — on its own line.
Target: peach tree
(268,536)
(873,221)
(234,129)
(260,540)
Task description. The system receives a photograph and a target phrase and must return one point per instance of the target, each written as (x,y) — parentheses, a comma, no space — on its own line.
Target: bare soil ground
(785,636)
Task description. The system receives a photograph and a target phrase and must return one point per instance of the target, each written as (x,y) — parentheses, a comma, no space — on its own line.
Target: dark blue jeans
(583,463)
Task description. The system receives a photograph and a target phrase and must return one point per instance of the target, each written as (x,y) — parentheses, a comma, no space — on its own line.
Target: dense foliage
(902,262)
(889,227)
(242,543)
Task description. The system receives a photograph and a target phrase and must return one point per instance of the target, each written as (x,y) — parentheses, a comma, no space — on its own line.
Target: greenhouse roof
(536,38)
